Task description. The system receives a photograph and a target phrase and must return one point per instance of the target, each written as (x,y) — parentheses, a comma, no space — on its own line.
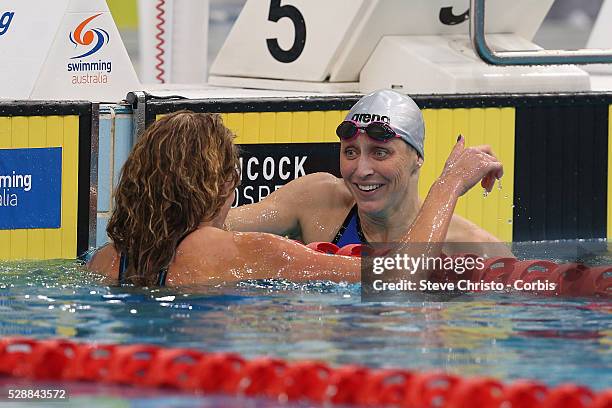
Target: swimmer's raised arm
(463,169)
(467,236)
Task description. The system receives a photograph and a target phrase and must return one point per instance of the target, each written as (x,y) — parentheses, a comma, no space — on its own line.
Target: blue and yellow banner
(30,188)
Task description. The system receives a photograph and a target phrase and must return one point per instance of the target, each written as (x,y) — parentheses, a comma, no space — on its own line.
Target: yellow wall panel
(5,143)
(492,126)
(235,122)
(55,138)
(284,127)
(445,140)
(299,132)
(332,120)
(5,133)
(316,127)
(428,172)
(70,186)
(251,127)
(267,126)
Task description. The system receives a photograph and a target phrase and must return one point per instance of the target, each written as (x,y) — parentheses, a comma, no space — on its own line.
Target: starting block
(419,46)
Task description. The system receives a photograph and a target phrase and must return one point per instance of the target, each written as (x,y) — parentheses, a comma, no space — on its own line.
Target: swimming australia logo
(94,38)
(370,117)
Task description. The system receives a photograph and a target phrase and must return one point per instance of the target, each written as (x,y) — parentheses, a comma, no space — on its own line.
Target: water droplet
(133,311)
(512,206)
(499,186)
(506,196)
(485,193)
(509,221)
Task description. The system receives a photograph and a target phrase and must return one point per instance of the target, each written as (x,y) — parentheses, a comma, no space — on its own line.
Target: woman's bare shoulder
(463,230)
(328,183)
(465,236)
(202,257)
(105,261)
(327,192)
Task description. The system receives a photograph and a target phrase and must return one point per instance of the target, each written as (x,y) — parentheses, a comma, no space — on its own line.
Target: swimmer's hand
(467,166)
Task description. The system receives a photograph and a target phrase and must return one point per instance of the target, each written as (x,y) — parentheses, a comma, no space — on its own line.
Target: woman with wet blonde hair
(174,194)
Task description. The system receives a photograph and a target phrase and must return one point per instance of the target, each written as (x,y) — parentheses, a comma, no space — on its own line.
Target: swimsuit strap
(123,265)
(162,274)
(362,237)
(161,277)
(350,231)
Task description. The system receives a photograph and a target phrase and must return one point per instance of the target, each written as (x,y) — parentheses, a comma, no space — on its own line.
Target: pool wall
(555,149)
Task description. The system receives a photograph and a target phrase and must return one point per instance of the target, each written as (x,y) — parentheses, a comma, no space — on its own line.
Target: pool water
(501,335)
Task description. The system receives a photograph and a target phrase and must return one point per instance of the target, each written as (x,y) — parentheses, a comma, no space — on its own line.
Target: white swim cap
(399,110)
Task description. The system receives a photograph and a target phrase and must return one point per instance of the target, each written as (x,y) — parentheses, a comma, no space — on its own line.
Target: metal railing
(532,57)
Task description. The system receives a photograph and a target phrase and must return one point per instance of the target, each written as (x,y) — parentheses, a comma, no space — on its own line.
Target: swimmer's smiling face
(378,174)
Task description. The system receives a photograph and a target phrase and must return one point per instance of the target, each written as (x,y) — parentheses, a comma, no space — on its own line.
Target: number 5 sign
(320,40)
(286,39)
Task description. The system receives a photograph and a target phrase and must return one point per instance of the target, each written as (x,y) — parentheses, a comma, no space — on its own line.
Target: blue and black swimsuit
(350,231)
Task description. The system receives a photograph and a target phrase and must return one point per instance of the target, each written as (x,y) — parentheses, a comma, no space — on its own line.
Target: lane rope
(199,372)
(570,279)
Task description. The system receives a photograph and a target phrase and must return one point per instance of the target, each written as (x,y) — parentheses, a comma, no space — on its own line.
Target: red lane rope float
(570,279)
(227,373)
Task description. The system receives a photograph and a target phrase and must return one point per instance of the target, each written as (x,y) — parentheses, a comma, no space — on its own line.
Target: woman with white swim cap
(381,153)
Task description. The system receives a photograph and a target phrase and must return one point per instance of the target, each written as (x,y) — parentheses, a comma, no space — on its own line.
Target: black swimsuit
(161,275)
(123,265)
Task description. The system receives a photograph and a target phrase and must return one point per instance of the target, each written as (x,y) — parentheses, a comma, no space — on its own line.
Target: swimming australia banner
(62,50)
(30,188)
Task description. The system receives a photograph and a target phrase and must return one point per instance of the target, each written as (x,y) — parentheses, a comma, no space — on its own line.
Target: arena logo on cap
(370,117)
(94,39)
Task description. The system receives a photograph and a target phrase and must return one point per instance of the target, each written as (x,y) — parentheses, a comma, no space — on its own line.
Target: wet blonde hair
(180,173)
